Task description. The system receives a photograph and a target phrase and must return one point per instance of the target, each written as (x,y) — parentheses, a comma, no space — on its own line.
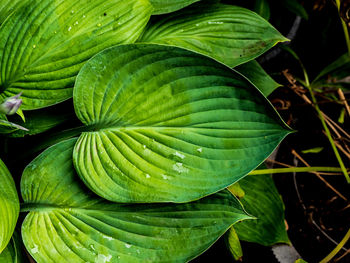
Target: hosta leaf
(44,44)
(68,223)
(262,200)
(9,206)
(168,124)
(7,7)
(262,8)
(231,34)
(13,253)
(256,74)
(168,6)
(7,127)
(38,121)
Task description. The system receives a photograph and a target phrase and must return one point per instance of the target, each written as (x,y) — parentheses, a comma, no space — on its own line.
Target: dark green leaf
(44,44)
(7,7)
(9,206)
(168,125)
(262,8)
(256,74)
(262,200)
(13,253)
(230,34)
(295,7)
(67,223)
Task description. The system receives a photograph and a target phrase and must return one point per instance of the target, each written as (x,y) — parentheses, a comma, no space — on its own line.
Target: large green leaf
(44,44)
(256,74)
(168,124)
(68,223)
(9,206)
(7,7)
(168,6)
(262,200)
(230,34)
(13,253)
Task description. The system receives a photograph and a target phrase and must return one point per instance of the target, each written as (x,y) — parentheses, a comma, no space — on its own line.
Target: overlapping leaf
(262,200)
(230,34)
(168,6)
(9,206)
(256,74)
(168,125)
(13,253)
(44,44)
(67,223)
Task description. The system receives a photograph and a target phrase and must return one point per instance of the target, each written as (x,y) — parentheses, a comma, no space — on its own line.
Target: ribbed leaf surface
(44,44)
(230,34)
(7,7)
(263,201)
(168,125)
(9,206)
(67,223)
(168,6)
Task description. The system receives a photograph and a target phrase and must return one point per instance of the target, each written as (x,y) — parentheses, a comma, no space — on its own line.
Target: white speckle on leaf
(180,155)
(199,150)
(35,249)
(144,146)
(34,46)
(69,28)
(102,258)
(178,167)
(99,24)
(92,247)
(148,176)
(215,22)
(127,245)
(107,237)
(165,177)
(84,16)
(72,12)
(76,23)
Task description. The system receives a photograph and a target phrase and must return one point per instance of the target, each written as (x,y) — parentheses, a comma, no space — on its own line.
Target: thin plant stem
(328,133)
(337,248)
(295,170)
(345,28)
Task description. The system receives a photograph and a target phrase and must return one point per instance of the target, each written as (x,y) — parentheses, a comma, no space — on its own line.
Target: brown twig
(344,101)
(319,176)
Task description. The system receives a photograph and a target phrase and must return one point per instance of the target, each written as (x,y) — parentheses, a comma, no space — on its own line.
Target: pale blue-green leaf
(168,125)
(232,35)
(256,74)
(9,206)
(44,44)
(262,200)
(68,223)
